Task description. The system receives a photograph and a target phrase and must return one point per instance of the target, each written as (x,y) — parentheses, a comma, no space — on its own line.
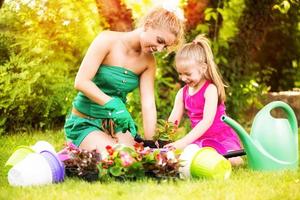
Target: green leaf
(115,171)
(283,7)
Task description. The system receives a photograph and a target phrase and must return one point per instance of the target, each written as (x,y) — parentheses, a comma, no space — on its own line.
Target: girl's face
(154,39)
(191,73)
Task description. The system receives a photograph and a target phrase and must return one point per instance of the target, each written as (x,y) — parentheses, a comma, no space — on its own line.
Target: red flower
(109,150)
(176,122)
(159,159)
(138,147)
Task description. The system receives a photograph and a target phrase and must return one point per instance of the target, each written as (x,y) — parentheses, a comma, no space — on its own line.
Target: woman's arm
(210,109)
(178,108)
(148,100)
(93,58)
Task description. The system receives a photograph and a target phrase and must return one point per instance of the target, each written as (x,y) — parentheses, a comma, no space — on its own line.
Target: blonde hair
(161,18)
(200,51)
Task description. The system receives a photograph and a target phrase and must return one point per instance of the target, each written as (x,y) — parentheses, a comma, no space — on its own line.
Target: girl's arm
(93,58)
(210,109)
(178,108)
(148,100)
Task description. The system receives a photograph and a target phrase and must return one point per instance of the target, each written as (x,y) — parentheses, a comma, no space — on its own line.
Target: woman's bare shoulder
(108,36)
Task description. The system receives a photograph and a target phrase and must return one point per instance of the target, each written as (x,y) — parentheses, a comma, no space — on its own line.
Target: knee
(96,140)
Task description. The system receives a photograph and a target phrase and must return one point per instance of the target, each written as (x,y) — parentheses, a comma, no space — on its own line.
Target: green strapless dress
(114,81)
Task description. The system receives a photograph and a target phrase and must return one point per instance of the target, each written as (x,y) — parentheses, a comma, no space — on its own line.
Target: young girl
(202,98)
(115,64)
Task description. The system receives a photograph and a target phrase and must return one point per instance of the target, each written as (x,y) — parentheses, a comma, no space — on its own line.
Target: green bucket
(19,154)
(208,163)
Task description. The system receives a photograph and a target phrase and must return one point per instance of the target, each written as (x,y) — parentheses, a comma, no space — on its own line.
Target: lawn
(243,183)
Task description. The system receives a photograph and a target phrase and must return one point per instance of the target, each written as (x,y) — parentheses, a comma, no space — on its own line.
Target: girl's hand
(179,144)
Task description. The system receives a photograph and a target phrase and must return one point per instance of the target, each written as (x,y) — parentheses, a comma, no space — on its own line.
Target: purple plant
(81,163)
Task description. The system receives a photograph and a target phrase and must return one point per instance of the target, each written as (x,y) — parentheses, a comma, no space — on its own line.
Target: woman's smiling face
(154,39)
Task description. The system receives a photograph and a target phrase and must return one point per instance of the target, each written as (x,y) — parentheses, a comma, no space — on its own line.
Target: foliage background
(255,42)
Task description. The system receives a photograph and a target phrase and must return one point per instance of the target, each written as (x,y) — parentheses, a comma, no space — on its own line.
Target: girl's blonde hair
(200,51)
(163,19)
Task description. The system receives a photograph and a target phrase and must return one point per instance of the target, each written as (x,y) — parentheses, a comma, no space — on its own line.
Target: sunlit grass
(243,184)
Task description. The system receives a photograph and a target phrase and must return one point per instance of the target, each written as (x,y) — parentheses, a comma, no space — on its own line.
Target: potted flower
(122,162)
(80,163)
(165,133)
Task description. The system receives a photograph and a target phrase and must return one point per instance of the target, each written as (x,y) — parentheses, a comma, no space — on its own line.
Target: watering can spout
(243,135)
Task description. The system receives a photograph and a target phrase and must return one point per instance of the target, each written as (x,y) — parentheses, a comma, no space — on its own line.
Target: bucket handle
(288,110)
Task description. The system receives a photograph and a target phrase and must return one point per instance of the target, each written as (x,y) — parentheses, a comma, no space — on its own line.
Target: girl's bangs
(184,62)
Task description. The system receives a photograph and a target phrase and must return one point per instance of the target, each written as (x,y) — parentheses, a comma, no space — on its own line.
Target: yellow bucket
(19,154)
(208,163)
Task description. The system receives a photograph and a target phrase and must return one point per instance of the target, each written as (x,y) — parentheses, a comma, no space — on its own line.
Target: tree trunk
(116,14)
(253,25)
(1,3)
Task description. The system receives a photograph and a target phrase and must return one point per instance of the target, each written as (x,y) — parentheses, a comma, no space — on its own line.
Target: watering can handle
(288,110)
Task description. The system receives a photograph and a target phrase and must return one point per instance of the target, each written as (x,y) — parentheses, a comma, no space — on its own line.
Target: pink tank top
(194,106)
(218,131)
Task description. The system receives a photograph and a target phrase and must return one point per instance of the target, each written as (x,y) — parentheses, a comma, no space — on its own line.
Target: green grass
(243,183)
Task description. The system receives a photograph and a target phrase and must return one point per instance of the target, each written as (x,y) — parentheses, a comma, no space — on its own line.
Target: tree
(1,3)
(117,15)
(194,12)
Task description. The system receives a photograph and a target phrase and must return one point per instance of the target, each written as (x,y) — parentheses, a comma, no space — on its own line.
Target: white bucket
(43,145)
(33,170)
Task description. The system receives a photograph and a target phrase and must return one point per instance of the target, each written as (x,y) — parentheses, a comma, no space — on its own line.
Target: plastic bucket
(57,168)
(40,146)
(208,163)
(32,170)
(212,143)
(19,154)
(186,158)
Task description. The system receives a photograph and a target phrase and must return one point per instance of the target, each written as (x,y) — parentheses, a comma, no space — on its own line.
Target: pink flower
(145,151)
(71,145)
(126,159)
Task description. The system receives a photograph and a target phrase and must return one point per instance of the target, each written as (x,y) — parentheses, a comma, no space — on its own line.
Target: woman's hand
(121,116)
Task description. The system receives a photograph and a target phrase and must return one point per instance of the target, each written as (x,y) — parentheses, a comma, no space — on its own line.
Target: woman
(115,64)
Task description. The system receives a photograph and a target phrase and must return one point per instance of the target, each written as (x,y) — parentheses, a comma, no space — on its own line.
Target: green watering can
(273,142)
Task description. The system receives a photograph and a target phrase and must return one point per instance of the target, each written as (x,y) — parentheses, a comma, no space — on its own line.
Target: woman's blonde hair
(163,19)
(200,51)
